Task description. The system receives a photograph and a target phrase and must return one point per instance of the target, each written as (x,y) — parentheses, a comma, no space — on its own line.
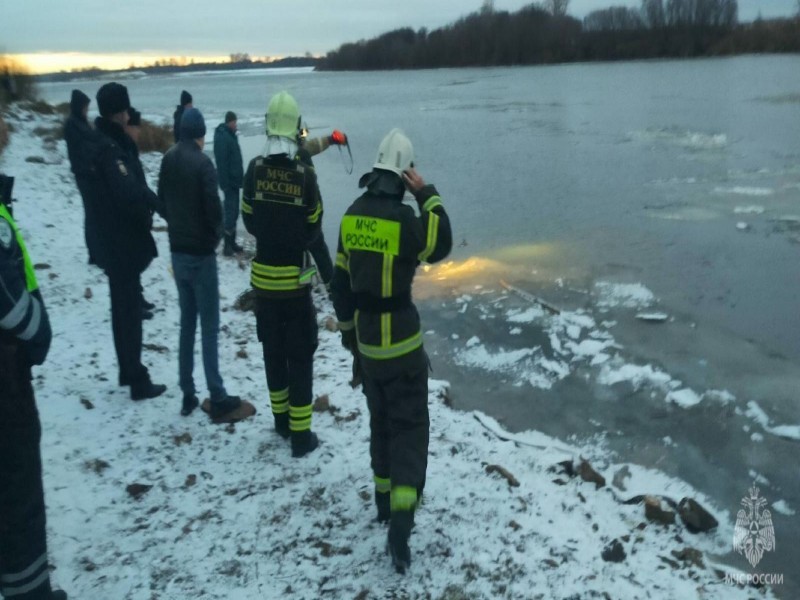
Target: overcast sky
(259,27)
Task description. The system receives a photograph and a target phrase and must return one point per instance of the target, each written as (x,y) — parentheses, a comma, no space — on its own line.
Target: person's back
(188,200)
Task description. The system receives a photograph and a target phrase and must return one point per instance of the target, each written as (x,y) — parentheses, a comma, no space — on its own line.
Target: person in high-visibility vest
(281,207)
(25,336)
(381,242)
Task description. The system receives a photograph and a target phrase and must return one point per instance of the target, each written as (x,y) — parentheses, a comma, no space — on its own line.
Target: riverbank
(143,503)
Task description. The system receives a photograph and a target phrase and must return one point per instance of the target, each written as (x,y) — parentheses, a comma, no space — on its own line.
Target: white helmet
(395,154)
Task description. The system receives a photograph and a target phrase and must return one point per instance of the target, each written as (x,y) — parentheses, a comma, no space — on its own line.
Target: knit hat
(230,116)
(112,98)
(186,98)
(78,101)
(193,125)
(134,117)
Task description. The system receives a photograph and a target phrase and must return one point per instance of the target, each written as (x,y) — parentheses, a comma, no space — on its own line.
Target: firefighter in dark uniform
(381,242)
(24,341)
(281,207)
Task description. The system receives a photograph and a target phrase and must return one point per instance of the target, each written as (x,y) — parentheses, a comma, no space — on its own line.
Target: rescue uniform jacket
(25,332)
(188,199)
(281,207)
(228,156)
(381,242)
(122,204)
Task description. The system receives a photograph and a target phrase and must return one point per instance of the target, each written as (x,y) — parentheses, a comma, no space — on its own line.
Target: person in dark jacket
(228,156)
(186,102)
(81,145)
(133,130)
(281,207)
(188,200)
(25,336)
(124,205)
(381,242)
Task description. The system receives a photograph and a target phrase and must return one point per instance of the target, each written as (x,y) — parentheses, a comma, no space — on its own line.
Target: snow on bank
(230,515)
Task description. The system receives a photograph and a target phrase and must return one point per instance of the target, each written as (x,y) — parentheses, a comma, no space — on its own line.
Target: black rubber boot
(228,248)
(399,531)
(303,442)
(282,425)
(189,404)
(383,504)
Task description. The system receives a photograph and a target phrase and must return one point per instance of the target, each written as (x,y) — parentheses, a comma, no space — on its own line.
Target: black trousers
(24,572)
(287,329)
(126,325)
(399,426)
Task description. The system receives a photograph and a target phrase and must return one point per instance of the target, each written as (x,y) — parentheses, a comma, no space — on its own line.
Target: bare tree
(653,13)
(557,8)
(488,7)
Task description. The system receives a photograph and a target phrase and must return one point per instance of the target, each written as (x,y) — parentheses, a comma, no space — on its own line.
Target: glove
(349,339)
(337,138)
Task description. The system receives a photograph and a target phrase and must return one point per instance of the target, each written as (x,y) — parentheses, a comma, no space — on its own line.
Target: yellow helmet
(283,116)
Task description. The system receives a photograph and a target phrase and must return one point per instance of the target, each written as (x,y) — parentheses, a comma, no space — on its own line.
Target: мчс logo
(754,533)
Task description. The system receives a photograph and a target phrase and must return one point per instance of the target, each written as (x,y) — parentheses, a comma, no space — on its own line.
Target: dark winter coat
(122,204)
(176,122)
(188,199)
(82,143)
(228,156)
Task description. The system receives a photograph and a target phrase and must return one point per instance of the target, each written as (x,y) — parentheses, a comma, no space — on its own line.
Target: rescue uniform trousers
(24,572)
(322,257)
(126,324)
(287,330)
(399,426)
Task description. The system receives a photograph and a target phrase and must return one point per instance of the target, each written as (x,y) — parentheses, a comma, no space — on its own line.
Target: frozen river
(670,186)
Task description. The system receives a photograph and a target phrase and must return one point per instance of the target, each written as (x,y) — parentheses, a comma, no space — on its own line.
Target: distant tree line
(544,33)
(168,66)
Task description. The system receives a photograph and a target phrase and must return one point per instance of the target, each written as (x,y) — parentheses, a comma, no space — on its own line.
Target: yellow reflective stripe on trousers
(383,485)
(386,352)
(433,237)
(30,275)
(277,285)
(300,417)
(346,325)
(386,276)
(341,262)
(432,203)
(279,401)
(404,497)
(246,207)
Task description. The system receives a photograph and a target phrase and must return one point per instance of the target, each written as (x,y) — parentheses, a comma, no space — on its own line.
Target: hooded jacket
(228,156)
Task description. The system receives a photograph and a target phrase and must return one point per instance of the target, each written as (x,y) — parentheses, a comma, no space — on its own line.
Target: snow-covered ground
(224,512)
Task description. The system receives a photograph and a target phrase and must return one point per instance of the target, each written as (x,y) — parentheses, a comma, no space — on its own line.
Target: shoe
(282,425)
(190,402)
(149,306)
(147,389)
(303,442)
(382,502)
(58,595)
(399,532)
(146,315)
(123,381)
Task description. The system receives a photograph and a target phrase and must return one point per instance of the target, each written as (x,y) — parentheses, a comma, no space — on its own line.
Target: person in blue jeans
(188,200)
